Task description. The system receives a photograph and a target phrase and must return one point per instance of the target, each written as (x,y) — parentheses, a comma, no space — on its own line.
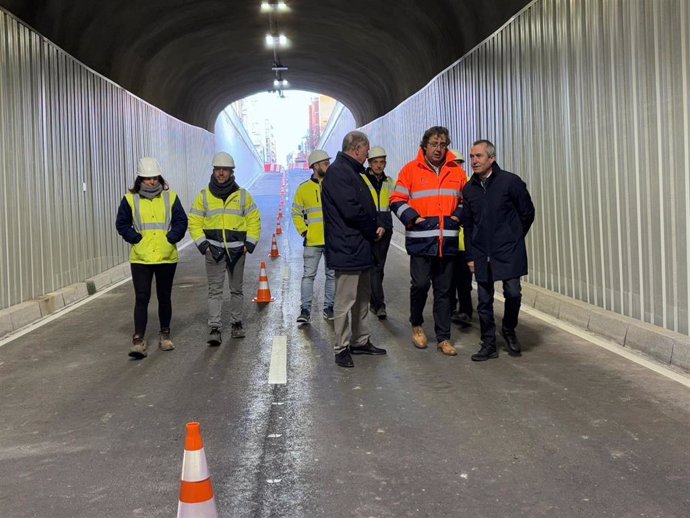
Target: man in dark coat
(497,214)
(350,229)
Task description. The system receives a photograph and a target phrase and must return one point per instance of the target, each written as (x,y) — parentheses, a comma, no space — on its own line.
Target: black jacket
(496,218)
(349,216)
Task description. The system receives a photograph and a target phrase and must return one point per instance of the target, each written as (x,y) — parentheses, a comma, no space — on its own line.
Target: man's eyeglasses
(437,145)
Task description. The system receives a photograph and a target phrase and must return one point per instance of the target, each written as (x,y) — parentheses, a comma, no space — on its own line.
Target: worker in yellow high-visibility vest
(307,216)
(461,293)
(380,185)
(225,225)
(152,220)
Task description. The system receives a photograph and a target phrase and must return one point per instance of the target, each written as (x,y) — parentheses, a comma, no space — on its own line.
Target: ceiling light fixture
(274,7)
(276,41)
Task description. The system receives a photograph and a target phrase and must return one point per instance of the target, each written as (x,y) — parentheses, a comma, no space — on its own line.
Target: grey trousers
(216,279)
(352,291)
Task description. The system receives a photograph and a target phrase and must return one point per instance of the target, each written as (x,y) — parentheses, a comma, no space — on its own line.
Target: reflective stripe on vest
(431,233)
(307,212)
(434,192)
(382,197)
(152,219)
(136,214)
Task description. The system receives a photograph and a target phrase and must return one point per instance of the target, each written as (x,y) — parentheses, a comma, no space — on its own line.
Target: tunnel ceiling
(192,58)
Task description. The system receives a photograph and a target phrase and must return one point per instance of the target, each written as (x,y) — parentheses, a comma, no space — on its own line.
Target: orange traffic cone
(263,294)
(196,492)
(280,213)
(279,229)
(274,247)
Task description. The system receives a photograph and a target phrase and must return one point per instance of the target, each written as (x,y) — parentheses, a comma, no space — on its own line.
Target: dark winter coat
(496,219)
(349,216)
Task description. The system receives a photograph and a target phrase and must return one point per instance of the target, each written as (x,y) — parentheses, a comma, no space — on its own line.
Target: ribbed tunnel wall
(588,101)
(69,142)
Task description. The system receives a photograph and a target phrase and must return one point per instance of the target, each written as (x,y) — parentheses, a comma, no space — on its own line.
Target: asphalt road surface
(567,430)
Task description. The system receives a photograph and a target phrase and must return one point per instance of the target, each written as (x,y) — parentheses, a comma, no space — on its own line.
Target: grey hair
(354,139)
(490,148)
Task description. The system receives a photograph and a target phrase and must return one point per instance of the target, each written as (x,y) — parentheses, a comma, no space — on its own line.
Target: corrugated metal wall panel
(587,100)
(69,143)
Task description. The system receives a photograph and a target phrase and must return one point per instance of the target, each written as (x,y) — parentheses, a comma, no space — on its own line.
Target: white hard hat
(459,157)
(223,159)
(377,152)
(316,156)
(148,167)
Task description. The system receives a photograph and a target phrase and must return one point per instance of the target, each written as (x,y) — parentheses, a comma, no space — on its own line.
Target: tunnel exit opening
(282,130)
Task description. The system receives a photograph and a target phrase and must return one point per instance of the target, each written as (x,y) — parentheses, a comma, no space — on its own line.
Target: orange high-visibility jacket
(419,191)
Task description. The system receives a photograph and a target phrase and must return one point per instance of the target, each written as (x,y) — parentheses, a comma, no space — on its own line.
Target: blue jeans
(312,256)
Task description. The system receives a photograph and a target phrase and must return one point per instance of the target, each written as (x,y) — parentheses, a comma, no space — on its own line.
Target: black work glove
(203,246)
(249,246)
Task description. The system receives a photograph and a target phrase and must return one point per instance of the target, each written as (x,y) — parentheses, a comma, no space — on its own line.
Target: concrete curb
(106,278)
(15,317)
(667,347)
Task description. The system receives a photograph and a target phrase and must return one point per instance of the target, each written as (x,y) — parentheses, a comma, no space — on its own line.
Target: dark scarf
(223,190)
(150,192)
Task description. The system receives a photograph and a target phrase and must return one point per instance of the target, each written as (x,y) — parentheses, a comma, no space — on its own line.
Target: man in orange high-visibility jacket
(428,201)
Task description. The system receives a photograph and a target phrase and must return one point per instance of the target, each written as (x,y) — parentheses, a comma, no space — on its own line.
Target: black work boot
(512,342)
(237,331)
(214,338)
(343,358)
(486,352)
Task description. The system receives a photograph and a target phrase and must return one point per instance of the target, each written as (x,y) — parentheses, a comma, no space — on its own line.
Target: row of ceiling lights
(275,41)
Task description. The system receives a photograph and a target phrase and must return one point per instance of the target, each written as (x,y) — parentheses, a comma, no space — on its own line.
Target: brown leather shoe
(419,337)
(447,348)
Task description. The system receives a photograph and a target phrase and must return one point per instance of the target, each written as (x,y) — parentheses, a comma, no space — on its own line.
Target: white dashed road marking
(277,373)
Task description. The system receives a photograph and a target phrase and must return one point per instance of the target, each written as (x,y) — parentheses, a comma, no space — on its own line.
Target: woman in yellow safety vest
(152,220)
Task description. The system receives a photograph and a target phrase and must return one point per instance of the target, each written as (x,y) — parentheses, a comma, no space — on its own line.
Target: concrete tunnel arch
(194,59)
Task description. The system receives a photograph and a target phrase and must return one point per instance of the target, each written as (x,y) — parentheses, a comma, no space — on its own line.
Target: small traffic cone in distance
(280,213)
(196,493)
(279,229)
(274,247)
(263,294)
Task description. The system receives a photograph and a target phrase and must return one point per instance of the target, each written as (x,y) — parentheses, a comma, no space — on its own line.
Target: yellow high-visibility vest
(307,214)
(382,197)
(225,224)
(151,218)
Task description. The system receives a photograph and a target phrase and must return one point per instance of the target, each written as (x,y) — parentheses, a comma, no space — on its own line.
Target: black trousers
(142,277)
(377,299)
(512,292)
(427,271)
(462,285)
